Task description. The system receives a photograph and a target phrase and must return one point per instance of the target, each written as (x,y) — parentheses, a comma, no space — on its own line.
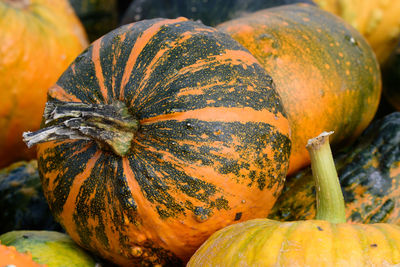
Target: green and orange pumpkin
(38,40)
(324,70)
(159,134)
(369,174)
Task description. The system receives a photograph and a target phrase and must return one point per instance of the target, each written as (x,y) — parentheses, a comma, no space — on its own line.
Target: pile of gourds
(172,137)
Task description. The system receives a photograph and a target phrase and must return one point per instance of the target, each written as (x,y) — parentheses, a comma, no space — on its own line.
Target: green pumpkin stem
(330,202)
(111,125)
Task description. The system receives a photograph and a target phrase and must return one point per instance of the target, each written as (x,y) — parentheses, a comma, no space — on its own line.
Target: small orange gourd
(326,241)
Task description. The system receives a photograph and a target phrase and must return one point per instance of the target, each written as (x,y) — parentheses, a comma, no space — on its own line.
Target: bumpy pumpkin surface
(324,70)
(9,256)
(209,147)
(22,203)
(49,248)
(97,16)
(39,39)
(208,12)
(369,174)
(377,20)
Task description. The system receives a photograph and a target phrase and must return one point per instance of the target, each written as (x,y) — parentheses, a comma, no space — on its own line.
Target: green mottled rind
(178,56)
(48,247)
(369,173)
(22,203)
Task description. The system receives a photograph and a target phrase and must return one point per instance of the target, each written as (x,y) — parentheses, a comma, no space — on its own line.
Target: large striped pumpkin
(194,139)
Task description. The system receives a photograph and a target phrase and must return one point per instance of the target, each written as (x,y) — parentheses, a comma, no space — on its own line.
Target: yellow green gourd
(54,249)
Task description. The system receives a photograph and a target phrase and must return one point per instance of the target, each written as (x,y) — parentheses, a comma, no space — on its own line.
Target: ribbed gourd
(159,134)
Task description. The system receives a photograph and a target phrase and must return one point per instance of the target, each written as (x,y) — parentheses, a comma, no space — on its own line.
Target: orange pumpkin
(159,134)
(38,40)
(9,256)
(324,70)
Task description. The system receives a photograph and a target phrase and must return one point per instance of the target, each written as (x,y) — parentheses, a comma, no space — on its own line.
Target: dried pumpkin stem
(330,202)
(110,124)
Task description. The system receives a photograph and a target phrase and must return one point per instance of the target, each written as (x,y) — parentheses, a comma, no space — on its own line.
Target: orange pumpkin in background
(324,70)
(38,40)
(9,256)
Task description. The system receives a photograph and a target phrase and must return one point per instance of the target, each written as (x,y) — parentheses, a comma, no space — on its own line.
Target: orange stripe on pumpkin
(59,93)
(147,74)
(98,69)
(140,43)
(70,203)
(230,57)
(225,114)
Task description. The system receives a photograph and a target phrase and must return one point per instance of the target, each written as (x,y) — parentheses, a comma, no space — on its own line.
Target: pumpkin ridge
(390,233)
(140,43)
(99,71)
(59,189)
(91,223)
(223,114)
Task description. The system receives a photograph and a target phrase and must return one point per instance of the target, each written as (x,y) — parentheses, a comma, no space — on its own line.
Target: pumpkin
(97,16)
(324,70)
(39,39)
(159,134)
(369,174)
(391,79)
(22,203)
(9,256)
(325,241)
(50,248)
(377,20)
(208,12)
